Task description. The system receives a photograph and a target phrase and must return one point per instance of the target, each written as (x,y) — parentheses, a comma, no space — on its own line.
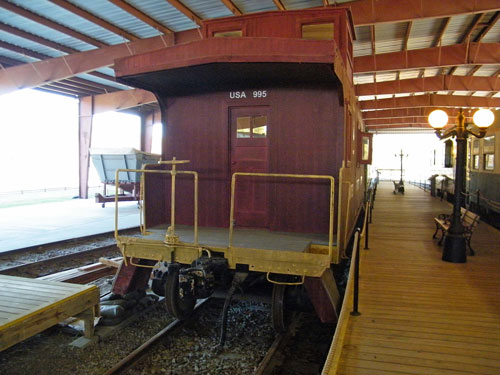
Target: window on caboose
(228,34)
(251,127)
(318,31)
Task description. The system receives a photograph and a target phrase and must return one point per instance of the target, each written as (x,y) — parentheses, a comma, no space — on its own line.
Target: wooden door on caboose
(249,153)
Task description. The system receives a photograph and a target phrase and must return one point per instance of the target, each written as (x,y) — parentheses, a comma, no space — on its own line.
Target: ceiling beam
(429,84)
(472,27)
(142,16)
(403,121)
(88,85)
(121,100)
(401,126)
(439,36)
(23,51)
(92,18)
(58,91)
(77,90)
(453,55)
(186,11)
(368,12)
(488,27)
(407,112)
(233,8)
(55,69)
(279,4)
(7,61)
(35,38)
(430,101)
(50,24)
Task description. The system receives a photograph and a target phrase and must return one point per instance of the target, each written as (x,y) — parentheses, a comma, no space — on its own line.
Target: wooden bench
(468,219)
(399,187)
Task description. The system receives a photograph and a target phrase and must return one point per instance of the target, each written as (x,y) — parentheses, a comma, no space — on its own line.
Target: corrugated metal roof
(208,9)
(487,70)
(16,56)
(363,44)
(431,72)
(103,81)
(36,28)
(118,17)
(33,46)
(408,74)
(164,13)
(390,37)
(301,4)
(423,33)
(481,93)
(456,29)
(493,36)
(386,76)
(363,78)
(254,6)
(70,20)
(463,70)
(366,97)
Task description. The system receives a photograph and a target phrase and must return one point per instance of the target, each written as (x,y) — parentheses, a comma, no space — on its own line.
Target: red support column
(85,112)
(147,122)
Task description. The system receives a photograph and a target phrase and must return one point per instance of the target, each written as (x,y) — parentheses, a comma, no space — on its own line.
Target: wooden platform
(29,306)
(421,315)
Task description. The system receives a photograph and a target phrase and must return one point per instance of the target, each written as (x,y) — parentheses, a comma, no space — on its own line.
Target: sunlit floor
(32,225)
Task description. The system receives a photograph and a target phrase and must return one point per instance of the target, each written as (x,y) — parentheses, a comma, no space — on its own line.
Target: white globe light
(438,119)
(483,118)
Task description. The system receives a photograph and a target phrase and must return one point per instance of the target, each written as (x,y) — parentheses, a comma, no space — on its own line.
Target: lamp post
(454,249)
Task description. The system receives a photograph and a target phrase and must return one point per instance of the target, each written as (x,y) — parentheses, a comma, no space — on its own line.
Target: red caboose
(262,107)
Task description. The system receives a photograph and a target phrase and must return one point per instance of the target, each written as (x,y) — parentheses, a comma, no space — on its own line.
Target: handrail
(351,291)
(333,357)
(172,172)
(283,175)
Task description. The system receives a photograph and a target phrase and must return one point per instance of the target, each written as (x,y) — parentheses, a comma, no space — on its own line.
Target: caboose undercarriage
(189,263)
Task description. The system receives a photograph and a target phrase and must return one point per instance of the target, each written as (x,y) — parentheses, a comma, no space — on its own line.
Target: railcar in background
(483,174)
(263,172)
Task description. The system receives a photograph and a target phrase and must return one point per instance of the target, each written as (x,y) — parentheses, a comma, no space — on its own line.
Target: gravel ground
(194,349)
(191,349)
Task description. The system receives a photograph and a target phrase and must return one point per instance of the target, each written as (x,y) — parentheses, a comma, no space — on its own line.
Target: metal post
(478,202)
(355,311)
(366,235)
(454,249)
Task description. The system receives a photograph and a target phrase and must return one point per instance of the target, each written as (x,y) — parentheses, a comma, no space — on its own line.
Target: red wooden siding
(305,137)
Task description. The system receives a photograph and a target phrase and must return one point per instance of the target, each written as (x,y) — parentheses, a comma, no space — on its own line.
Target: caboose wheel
(279,315)
(179,307)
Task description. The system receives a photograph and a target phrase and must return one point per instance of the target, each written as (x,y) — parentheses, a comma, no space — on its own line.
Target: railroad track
(135,356)
(33,268)
(72,242)
(274,356)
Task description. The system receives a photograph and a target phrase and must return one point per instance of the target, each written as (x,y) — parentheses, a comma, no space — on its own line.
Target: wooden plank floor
(28,306)
(421,315)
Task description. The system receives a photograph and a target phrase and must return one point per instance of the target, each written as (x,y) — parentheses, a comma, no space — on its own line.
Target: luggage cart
(107,160)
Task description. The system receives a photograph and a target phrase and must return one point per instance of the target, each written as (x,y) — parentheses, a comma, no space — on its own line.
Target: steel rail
(267,364)
(132,357)
(61,242)
(52,260)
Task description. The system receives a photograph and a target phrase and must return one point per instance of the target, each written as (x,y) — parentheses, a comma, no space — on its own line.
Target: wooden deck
(421,315)
(29,306)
